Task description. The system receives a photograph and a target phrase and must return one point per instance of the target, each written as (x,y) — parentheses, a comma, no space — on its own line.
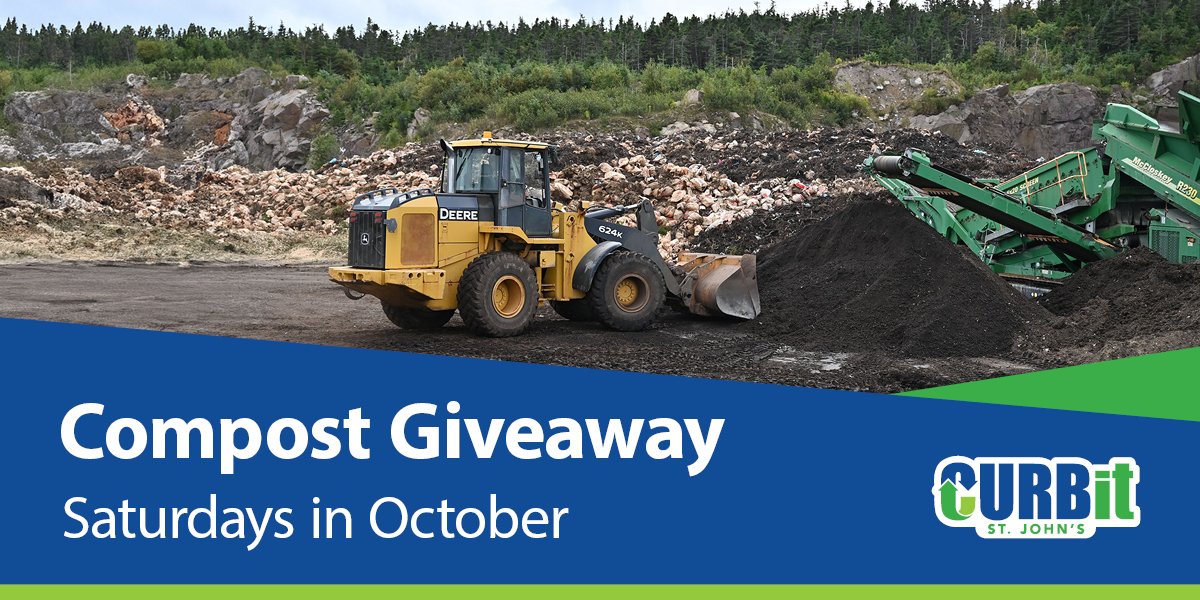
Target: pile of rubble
(698,182)
(706,181)
(689,200)
(234,199)
(136,121)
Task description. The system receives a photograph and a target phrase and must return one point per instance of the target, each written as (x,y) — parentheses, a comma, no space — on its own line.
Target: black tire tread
(417,319)
(579,310)
(617,263)
(474,294)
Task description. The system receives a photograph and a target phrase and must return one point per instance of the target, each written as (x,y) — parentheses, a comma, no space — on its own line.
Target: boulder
(15,184)
(357,142)
(421,118)
(232,154)
(292,82)
(675,128)
(952,122)
(692,97)
(8,149)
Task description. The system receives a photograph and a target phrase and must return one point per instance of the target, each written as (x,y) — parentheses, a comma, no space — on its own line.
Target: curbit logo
(1014,498)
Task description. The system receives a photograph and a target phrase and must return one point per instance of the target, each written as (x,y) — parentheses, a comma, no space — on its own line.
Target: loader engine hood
(451,207)
(388,198)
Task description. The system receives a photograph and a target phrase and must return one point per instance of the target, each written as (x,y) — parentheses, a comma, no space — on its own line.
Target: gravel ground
(298,304)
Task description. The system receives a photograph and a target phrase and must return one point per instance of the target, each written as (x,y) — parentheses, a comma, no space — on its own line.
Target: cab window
(476,170)
(535,179)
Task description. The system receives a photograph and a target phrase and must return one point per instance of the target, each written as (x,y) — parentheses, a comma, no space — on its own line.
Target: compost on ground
(1136,293)
(874,278)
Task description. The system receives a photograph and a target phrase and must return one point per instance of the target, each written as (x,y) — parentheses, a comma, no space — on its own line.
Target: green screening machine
(1043,225)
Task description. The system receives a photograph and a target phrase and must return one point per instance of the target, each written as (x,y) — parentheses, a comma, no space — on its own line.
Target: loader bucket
(720,285)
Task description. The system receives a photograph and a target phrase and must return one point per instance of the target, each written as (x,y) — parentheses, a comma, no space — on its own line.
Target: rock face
(278,131)
(249,119)
(1042,121)
(1167,82)
(889,89)
(45,119)
(1056,118)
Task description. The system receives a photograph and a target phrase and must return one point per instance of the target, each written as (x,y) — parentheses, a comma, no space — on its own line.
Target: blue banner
(725,482)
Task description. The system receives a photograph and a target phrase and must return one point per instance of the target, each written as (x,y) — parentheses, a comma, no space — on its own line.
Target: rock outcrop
(278,131)
(1166,83)
(1042,121)
(891,89)
(249,119)
(44,119)
(421,118)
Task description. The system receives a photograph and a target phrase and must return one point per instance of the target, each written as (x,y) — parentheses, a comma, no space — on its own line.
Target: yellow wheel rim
(508,296)
(631,293)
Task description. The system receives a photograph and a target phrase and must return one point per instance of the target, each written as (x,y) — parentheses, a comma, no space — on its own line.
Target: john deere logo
(1036,497)
(365,239)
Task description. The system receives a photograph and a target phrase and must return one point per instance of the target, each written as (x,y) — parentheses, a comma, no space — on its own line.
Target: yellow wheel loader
(492,244)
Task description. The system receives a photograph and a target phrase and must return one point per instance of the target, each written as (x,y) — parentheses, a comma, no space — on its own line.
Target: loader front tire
(418,319)
(574,310)
(627,292)
(497,296)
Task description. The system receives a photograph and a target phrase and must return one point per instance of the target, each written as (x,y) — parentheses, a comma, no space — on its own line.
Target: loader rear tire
(628,291)
(574,310)
(418,319)
(497,296)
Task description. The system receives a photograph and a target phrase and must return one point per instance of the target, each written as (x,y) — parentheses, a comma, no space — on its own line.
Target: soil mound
(1137,293)
(762,228)
(828,153)
(873,277)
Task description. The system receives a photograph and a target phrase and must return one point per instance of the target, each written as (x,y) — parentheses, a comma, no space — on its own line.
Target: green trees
(149,51)
(563,69)
(323,148)
(1086,33)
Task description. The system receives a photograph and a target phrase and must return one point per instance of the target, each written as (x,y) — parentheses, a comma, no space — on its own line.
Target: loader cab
(513,175)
